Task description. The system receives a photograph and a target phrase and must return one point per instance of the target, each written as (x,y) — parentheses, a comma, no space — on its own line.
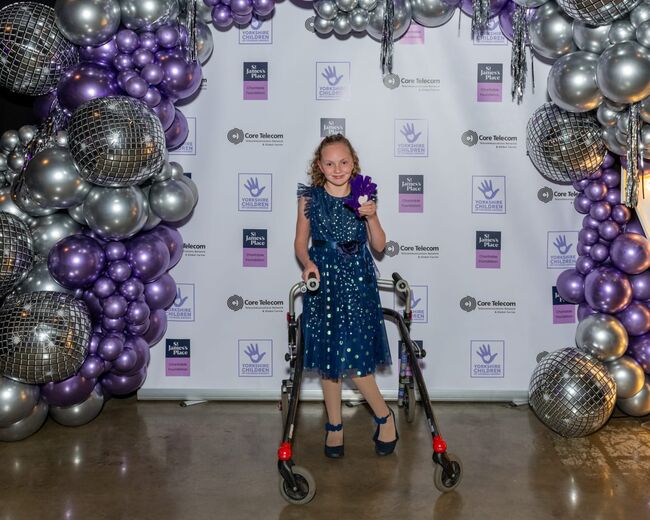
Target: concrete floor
(156,460)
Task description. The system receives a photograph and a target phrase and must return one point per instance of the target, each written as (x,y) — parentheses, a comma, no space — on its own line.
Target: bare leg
(332,395)
(368,387)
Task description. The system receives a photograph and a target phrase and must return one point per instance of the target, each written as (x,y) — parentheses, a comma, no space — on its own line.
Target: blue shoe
(333,452)
(385,448)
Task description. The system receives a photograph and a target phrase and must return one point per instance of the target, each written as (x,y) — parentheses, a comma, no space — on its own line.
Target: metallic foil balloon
(358,19)
(640,14)
(152,219)
(589,38)
(346,5)
(76,261)
(174,241)
(25,427)
(148,14)
(571,82)
(87,22)
(195,191)
(115,213)
(628,375)
(342,24)
(119,384)
(44,336)
(607,290)
(23,199)
(550,30)
(77,214)
(68,392)
(204,42)
(47,231)
(16,252)
(623,73)
(571,285)
(148,256)
(203,11)
(642,34)
(157,327)
(81,413)
(621,31)
(639,404)
(597,12)
(34,52)
(17,400)
(178,131)
(572,393)
(602,336)
(160,293)
(171,200)
(433,13)
(40,279)
(609,138)
(401,20)
(326,9)
(101,54)
(9,140)
(368,5)
(630,253)
(26,133)
(7,205)
(606,116)
(116,141)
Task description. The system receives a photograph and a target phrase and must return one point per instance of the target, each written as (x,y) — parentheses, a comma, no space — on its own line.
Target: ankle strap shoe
(333,452)
(385,448)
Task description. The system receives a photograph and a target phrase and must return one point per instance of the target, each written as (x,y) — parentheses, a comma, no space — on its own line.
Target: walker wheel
(444,481)
(409,403)
(306,487)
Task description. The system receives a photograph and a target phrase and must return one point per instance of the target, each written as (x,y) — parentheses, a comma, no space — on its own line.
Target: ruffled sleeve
(306,192)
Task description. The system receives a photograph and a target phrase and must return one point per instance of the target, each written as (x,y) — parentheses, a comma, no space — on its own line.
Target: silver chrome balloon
(551,33)
(606,116)
(644,109)
(77,214)
(342,24)
(623,73)
(44,336)
(639,404)
(25,427)
(148,14)
(602,336)
(47,231)
(613,145)
(640,14)
(16,161)
(17,400)
(152,219)
(22,198)
(8,205)
(621,31)
(40,279)
(572,393)
(115,213)
(81,413)
(346,5)
(171,200)
(326,9)
(88,22)
(204,41)
(628,375)
(622,120)
(16,252)
(176,170)
(368,5)
(358,19)
(61,138)
(642,34)
(401,20)
(571,82)
(597,12)
(530,3)
(203,11)
(323,26)
(433,13)
(9,140)
(195,191)
(26,133)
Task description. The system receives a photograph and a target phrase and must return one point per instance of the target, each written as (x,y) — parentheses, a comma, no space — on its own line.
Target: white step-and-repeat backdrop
(477,232)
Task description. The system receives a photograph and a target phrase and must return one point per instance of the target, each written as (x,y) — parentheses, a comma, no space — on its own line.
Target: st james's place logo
(489,194)
(255,357)
(254,303)
(547,194)
(332,80)
(259,32)
(412,83)
(411,138)
(411,193)
(182,308)
(487,358)
(238,136)
(489,82)
(561,249)
(498,141)
(255,192)
(563,311)
(419,303)
(177,357)
(492,34)
(488,249)
(193,249)
(421,251)
(256,80)
(189,146)
(495,305)
(254,246)
(332,126)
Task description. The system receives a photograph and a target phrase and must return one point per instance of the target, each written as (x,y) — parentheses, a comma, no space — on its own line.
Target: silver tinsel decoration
(633,172)
(387,38)
(518,65)
(190,25)
(480,16)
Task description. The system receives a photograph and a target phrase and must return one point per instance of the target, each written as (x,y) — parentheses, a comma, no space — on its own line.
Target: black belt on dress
(350,248)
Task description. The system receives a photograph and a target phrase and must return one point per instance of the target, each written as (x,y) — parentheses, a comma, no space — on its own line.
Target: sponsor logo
(492,34)
(488,194)
(495,305)
(255,243)
(421,251)
(411,193)
(487,358)
(238,136)
(255,357)
(256,80)
(259,32)
(411,138)
(182,308)
(190,249)
(255,192)
(177,357)
(419,303)
(332,126)
(488,249)
(189,146)
(489,82)
(255,303)
(561,249)
(497,141)
(563,311)
(332,80)
(547,194)
(419,83)
(414,35)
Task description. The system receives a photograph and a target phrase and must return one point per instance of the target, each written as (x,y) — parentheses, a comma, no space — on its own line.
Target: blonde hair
(317,176)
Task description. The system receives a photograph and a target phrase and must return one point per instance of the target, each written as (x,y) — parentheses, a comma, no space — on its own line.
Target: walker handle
(400,283)
(312,282)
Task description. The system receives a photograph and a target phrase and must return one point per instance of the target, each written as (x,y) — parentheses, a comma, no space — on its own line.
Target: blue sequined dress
(342,323)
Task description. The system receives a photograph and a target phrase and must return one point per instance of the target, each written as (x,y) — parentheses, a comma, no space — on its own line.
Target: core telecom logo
(332,80)
(177,357)
(255,357)
(421,251)
(256,80)
(487,357)
(489,194)
(411,193)
(254,303)
(414,83)
(488,249)
(255,192)
(489,82)
(419,303)
(193,249)
(561,249)
(497,141)
(497,306)
(547,194)
(189,146)
(332,126)
(411,138)
(563,311)
(182,308)
(254,246)
(263,138)
(259,32)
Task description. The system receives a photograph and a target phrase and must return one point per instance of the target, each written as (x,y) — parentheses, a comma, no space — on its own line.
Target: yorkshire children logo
(563,311)
(488,249)
(411,138)
(256,80)
(419,303)
(259,32)
(487,358)
(255,192)
(182,308)
(255,243)
(189,146)
(332,126)
(489,194)
(411,193)
(177,357)
(489,82)
(492,34)
(332,80)
(255,357)
(561,249)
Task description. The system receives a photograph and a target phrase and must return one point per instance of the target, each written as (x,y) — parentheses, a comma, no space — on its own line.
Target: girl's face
(336,163)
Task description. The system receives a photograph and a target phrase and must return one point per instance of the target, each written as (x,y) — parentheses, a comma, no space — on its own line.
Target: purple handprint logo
(253,353)
(485,353)
(253,187)
(561,245)
(408,131)
(487,189)
(330,75)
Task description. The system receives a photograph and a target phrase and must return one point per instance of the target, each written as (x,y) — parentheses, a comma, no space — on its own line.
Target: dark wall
(16,110)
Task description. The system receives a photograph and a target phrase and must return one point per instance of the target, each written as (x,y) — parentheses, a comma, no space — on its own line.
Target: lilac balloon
(115,251)
(125,76)
(68,392)
(103,53)
(152,74)
(140,346)
(263,7)
(132,289)
(180,79)
(608,290)
(634,226)
(136,87)
(114,325)
(571,286)
(609,230)
(580,185)
(94,344)
(222,16)
(582,204)
(161,293)
(166,112)
(596,190)
(611,178)
(115,306)
(621,214)
(111,347)
(84,82)
(177,133)
(157,327)
(168,36)
(242,19)
(142,57)
(631,253)
(119,270)
(138,330)
(596,175)
(495,7)
(148,256)
(599,252)
(76,261)
(103,287)
(241,7)
(641,285)
(123,62)
(43,105)
(127,40)
(92,367)
(585,264)
(588,236)
(590,222)
(584,310)
(148,41)
(196,73)
(635,318)
(137,313)
(583,249)
(118,384)
(601,210)
(639,349)
(613,196)
(609,161)
(125,361)
(212,3)
(173,240)
(153,97)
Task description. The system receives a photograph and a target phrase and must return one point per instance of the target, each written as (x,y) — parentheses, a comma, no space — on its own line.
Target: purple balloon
(608,290)
(571,286)
(580,185)
(583,249)
(165,111)
(596,175)
(84,82)
(635,318)
(76,261)
(585,264)
(263,7)
(123,62)
(588,236)
(119,270)
(242,19)
(222,16)
(136,87)
(111,347)
(611,178)
(641,286)
(94,344)
(161,293)
(631,253)
(132,289)
(582,204)
(180,79)
(596,190)
(168,36)
(43,105)
(495,7)
(148,256)
(609,230)
(613,196)
(609,160)
(119,384)
(115,251)
(584,310)
(177,133)
(141,348)
(148,41)
(113,325)
(241,7)
(92,367)
(599,252)
(601,210)
(142,57)
(153,97)
(634,226)
(102,54)
(639,349)
(125,76)
(138,330)
(68,392)
(621,214)
(115,306)
(590,222)
(93,303)
(103,287)
(127,40)
(125,361)
(137,313)
(152,74)
(173,240)
(157,327)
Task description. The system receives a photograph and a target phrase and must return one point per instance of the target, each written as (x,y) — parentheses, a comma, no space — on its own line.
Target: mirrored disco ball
(597,12)
(116,141)
(16,251)
(44,336)
(572,393)
(33,52)
(563,146)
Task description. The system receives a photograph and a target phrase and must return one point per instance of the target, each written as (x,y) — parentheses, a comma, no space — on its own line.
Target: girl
(343,326)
